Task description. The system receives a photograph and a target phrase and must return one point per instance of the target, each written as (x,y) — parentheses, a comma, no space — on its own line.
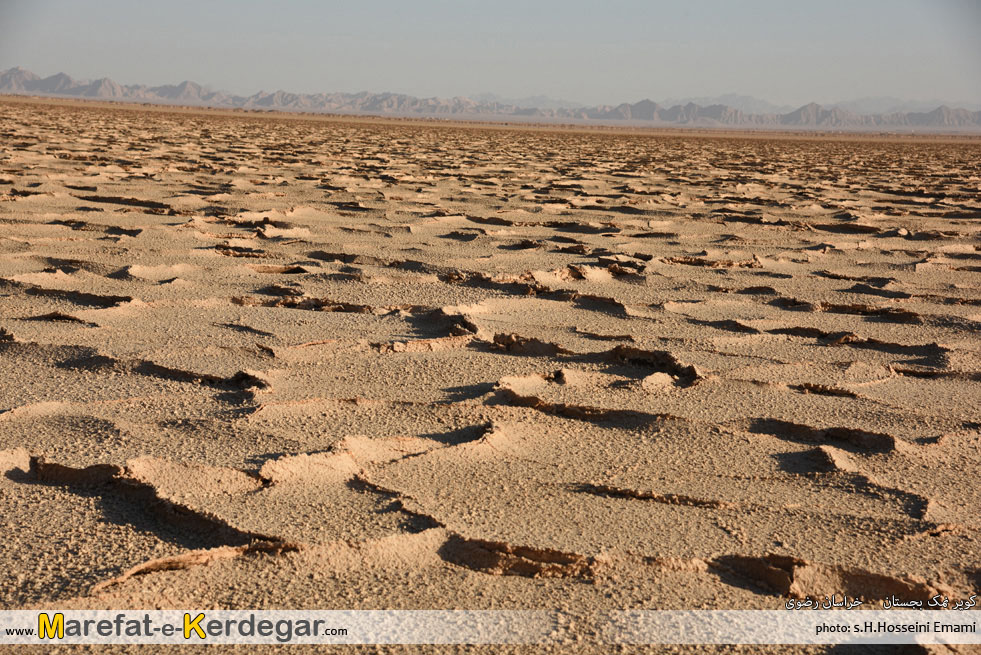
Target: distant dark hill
(646,112)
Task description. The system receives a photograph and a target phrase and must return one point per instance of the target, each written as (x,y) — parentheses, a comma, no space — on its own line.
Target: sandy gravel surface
(260,363)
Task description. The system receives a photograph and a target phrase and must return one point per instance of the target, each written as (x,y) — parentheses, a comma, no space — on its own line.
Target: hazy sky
(592,52)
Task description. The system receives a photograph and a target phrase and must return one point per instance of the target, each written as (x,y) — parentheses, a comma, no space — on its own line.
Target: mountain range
(760,115)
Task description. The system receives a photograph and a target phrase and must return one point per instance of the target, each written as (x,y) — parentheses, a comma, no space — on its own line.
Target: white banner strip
(487,627)
(793,627)
(276,627)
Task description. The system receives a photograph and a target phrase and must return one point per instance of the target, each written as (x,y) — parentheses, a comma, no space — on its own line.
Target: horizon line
(667,103)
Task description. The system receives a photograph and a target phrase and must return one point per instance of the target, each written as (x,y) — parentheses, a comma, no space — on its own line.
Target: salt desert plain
(256,361)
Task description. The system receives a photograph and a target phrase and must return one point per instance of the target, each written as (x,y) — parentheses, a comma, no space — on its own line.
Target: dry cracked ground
(261,362)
